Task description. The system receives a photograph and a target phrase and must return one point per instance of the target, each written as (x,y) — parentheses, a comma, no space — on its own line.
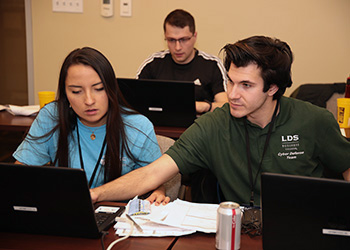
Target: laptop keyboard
(105,219)
(101,218)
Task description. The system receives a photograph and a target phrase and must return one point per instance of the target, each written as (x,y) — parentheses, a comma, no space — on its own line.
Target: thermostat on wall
(107,8)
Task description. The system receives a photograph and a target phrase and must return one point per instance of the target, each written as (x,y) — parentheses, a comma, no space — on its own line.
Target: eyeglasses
(182,40)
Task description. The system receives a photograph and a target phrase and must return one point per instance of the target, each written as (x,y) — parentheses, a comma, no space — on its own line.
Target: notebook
(304,212)
(164,102)
(49,200)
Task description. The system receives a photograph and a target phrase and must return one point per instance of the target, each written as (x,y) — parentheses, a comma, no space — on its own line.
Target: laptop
(304,212)
(164,102)
(50,200)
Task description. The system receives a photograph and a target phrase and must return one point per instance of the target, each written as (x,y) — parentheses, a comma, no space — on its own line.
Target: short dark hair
(273,56)
(180,18)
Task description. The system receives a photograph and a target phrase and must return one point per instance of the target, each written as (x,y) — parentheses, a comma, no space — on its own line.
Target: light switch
(72,6)
(125,7)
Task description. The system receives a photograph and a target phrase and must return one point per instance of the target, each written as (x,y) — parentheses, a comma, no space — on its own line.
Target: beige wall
(317,30)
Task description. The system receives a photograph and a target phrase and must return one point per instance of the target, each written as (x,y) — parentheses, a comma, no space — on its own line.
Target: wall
(13,64)
(317,31)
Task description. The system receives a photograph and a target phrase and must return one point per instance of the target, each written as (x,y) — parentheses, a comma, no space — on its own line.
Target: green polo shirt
(304,139)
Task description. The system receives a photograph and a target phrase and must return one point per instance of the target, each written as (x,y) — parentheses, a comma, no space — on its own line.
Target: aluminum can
(228,226)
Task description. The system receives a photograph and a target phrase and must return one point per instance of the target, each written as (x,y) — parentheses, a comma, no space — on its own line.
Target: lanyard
(250,171)
(98,160)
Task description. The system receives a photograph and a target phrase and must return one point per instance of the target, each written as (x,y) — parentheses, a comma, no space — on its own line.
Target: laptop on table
(50,200)
(304,212)
(164,102)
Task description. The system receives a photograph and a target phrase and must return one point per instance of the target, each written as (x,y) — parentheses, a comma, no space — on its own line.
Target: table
(200,241)
(17,241)
(22,123)
(197,241)
(172,132)
(203,241)
(43,242)
(15,123)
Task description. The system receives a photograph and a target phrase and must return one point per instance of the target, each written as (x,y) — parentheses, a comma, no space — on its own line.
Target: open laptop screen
(164,102)
(305,212)
(47,200)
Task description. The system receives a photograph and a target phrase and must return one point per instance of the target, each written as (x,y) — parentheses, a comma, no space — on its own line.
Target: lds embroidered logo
(289,138)
(290,142)
(290,145)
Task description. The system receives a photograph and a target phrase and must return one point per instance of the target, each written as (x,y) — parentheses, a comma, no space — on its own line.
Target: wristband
(210,105)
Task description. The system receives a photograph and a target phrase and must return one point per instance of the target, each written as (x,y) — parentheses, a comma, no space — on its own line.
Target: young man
(183,62)
(258,129)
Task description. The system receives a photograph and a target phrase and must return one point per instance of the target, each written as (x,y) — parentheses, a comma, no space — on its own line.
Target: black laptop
(164,102)
(305,213)
(50,200)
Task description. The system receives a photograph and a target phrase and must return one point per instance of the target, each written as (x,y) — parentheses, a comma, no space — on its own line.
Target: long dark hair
(115,127)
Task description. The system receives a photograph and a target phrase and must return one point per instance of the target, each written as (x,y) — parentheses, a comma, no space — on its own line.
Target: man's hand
(219,100)
(202,107)
(138,181)
(346,174)
(158,196)
(93,195)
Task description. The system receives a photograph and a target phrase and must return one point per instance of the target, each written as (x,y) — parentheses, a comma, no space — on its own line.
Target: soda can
(228,226)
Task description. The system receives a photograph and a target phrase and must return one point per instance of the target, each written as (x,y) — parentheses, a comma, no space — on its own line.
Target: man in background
(183,62)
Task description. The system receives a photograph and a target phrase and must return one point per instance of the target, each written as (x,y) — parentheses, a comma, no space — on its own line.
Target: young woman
(90,126)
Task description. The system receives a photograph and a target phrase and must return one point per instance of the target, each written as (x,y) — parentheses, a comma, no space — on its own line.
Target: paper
(3,107)
(23,110)
(174,219)
(196,216)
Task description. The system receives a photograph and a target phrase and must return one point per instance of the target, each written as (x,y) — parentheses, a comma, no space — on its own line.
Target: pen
(136,225)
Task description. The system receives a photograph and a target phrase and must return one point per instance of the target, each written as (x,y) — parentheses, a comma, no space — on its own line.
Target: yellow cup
(343,112)
(46,97)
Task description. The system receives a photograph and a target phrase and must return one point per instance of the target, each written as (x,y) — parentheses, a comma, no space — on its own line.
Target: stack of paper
(21,110)
(175,219)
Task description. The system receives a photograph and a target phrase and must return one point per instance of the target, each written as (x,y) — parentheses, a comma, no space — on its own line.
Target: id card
(107,209)
(138,207)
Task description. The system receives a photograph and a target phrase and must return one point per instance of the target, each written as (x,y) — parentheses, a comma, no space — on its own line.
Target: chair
(322,94)
(207,190)
(172,186)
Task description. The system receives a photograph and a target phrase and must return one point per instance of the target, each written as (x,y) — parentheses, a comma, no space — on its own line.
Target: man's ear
(272,90)
(195,36)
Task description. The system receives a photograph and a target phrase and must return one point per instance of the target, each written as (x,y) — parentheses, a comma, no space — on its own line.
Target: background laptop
(48,200)
(164,102)
(304,212)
